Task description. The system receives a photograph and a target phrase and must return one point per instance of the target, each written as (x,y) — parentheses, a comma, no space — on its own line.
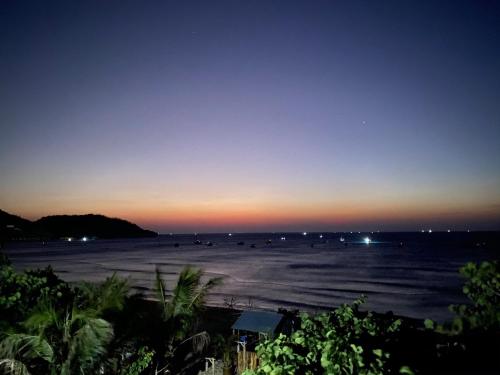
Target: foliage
(61,330)
(20,291)
(143,361)
(55,328)
(13,367)
(71,341)
(482,288)
(344,341)
(187,300)
(106,297)
(224,348)
(178,313)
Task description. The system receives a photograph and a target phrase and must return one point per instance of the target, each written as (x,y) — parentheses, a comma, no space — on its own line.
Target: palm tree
(17,349)
(178,312)
(69,340)
(65,343)
(106,297)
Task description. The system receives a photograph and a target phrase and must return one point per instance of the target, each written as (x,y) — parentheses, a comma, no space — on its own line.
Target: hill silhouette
(57,226)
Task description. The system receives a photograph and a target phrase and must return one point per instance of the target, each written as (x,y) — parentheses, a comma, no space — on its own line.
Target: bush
(344,341)
(21,291)
(482,288)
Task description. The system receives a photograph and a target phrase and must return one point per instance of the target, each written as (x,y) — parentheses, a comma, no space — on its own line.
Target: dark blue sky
(253,115)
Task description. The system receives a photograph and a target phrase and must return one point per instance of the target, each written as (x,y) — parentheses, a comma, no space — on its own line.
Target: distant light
(449,230)
(367,240)
(70,239)
(283,238)
(430,230)
(230,234)
(468,230)
(84,239)
(320,236)
(305,233)
(423,231)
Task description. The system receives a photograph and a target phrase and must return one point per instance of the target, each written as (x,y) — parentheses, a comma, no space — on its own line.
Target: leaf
(19,345)
(13,367)
(406,370)
(160,290)
(429,324)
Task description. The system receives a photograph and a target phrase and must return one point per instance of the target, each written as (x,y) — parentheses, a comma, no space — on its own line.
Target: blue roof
(258,321)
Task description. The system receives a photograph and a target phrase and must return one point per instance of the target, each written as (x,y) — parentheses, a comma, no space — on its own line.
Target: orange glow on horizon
(272,215)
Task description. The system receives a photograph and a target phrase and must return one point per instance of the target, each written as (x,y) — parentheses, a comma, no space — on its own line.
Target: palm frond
(88,344)
(113,293)
(23,346)
(199,298)
(160,290)
(185,291)
(110,295)
(13,367)
(43,316)
(200,341)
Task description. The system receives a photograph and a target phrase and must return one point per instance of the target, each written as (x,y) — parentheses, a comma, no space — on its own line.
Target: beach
(410,274)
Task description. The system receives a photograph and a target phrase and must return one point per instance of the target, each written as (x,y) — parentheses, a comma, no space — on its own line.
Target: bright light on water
(305,233)
(367,240)
(84,239)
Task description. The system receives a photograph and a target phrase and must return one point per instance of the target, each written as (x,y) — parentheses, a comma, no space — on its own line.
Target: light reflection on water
(412,274)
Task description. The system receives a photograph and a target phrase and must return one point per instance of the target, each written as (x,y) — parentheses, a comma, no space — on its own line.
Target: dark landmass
(13,227)
(14,223)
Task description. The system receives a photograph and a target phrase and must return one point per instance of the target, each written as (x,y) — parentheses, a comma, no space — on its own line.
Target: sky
(215,116)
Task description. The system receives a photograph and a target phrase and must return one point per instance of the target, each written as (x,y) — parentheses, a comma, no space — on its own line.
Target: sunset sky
(253,115)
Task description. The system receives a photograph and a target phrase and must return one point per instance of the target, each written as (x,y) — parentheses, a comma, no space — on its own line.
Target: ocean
(411,274)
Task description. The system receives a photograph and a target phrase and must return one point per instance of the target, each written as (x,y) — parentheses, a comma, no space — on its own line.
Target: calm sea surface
(413,274)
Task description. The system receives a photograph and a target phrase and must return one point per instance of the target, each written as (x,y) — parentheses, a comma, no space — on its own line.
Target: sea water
(411,274)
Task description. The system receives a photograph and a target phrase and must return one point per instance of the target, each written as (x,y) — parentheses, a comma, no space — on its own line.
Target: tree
(66,323)
(482,288)
(21,291)
(63,342)
(179,312)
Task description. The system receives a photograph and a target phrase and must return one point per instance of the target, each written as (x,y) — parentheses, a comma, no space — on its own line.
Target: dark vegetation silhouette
(13,227)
